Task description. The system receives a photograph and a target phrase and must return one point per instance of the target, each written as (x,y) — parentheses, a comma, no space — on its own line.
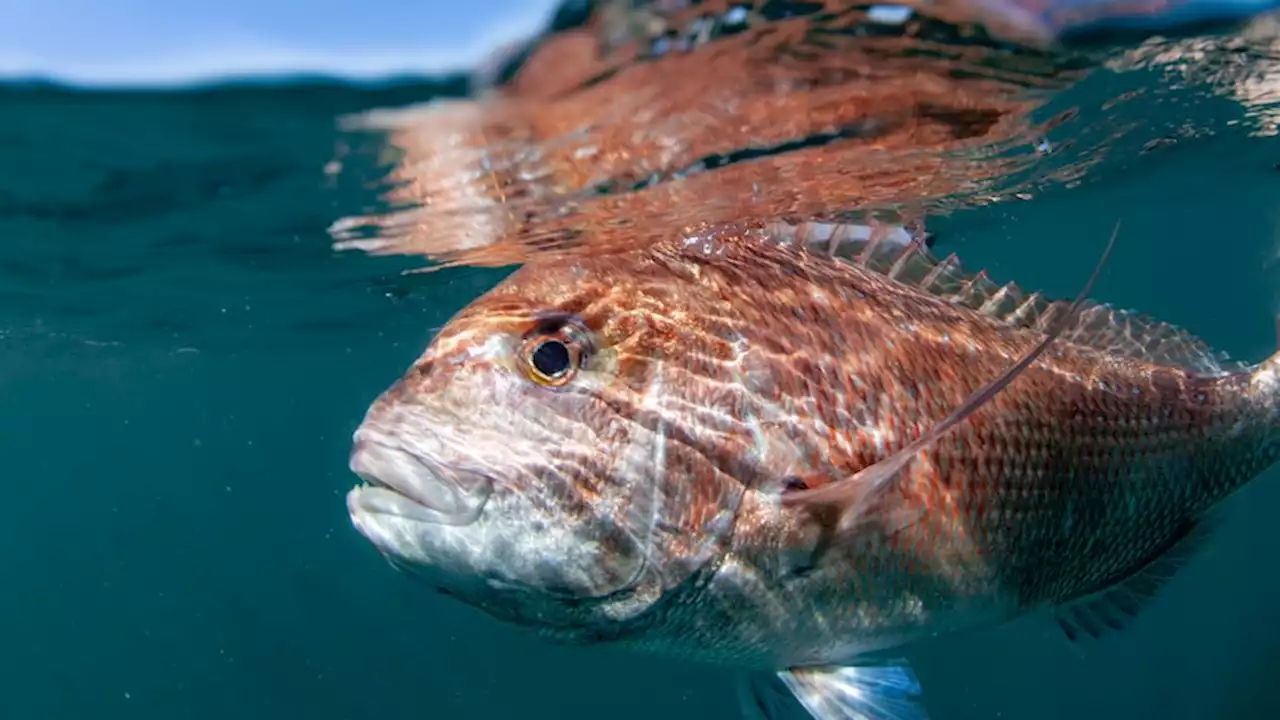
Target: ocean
(183,358)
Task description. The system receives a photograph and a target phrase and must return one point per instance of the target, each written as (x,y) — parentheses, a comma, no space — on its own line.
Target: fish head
(540,461)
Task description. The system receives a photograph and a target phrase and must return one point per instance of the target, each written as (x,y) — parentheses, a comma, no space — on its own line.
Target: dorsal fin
(1096,325)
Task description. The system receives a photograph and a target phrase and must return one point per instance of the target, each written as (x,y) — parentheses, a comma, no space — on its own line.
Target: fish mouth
(407,485)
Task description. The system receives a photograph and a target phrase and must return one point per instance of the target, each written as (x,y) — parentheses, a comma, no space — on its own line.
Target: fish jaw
(404,484)
(501,562)
(499,567)
(488,541)
(414,513)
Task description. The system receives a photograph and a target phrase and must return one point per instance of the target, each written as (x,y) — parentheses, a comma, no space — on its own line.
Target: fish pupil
(551,358)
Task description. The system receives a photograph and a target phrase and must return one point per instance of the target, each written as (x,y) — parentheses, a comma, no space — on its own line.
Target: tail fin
(1257,389)
(1264,380)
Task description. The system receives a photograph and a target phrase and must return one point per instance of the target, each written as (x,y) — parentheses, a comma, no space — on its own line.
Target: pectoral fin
(853,495)
(879,692)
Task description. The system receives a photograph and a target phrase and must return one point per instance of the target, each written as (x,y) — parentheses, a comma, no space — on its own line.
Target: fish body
(683,448)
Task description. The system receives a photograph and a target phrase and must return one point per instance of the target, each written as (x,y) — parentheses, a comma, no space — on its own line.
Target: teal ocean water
(183,358)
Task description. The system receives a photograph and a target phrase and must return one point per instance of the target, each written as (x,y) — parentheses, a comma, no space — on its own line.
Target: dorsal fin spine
(974,282)
(873,244)
(1095,325)
(1023,313)
(992,305)
(932,278)
(899,268)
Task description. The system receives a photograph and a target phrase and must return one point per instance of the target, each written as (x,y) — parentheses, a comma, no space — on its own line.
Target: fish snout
(408,484)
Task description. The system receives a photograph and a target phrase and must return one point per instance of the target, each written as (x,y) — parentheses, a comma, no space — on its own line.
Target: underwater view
(685,360)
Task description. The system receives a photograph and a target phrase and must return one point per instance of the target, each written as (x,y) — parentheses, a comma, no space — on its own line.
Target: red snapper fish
(734,450)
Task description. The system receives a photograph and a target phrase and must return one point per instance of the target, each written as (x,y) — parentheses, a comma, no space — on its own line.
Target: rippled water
(185,351)
(832,116)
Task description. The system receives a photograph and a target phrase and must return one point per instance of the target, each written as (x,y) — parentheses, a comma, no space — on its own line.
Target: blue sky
(174,41)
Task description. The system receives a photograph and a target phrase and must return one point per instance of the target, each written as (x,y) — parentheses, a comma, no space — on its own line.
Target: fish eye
(550,360)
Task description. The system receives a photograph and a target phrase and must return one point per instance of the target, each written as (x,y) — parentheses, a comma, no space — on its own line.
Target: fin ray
(877,692)
(1111,608)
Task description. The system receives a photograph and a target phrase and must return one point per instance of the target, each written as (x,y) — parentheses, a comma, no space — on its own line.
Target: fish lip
(410,485)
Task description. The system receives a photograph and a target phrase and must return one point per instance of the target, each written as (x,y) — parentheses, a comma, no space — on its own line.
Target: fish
(735,449)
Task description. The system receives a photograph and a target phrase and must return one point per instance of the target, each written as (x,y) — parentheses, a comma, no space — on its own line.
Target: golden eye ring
(550,360)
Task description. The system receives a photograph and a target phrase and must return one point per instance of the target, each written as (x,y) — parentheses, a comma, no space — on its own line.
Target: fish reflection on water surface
(645,118)
(790,120)
(704,448)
